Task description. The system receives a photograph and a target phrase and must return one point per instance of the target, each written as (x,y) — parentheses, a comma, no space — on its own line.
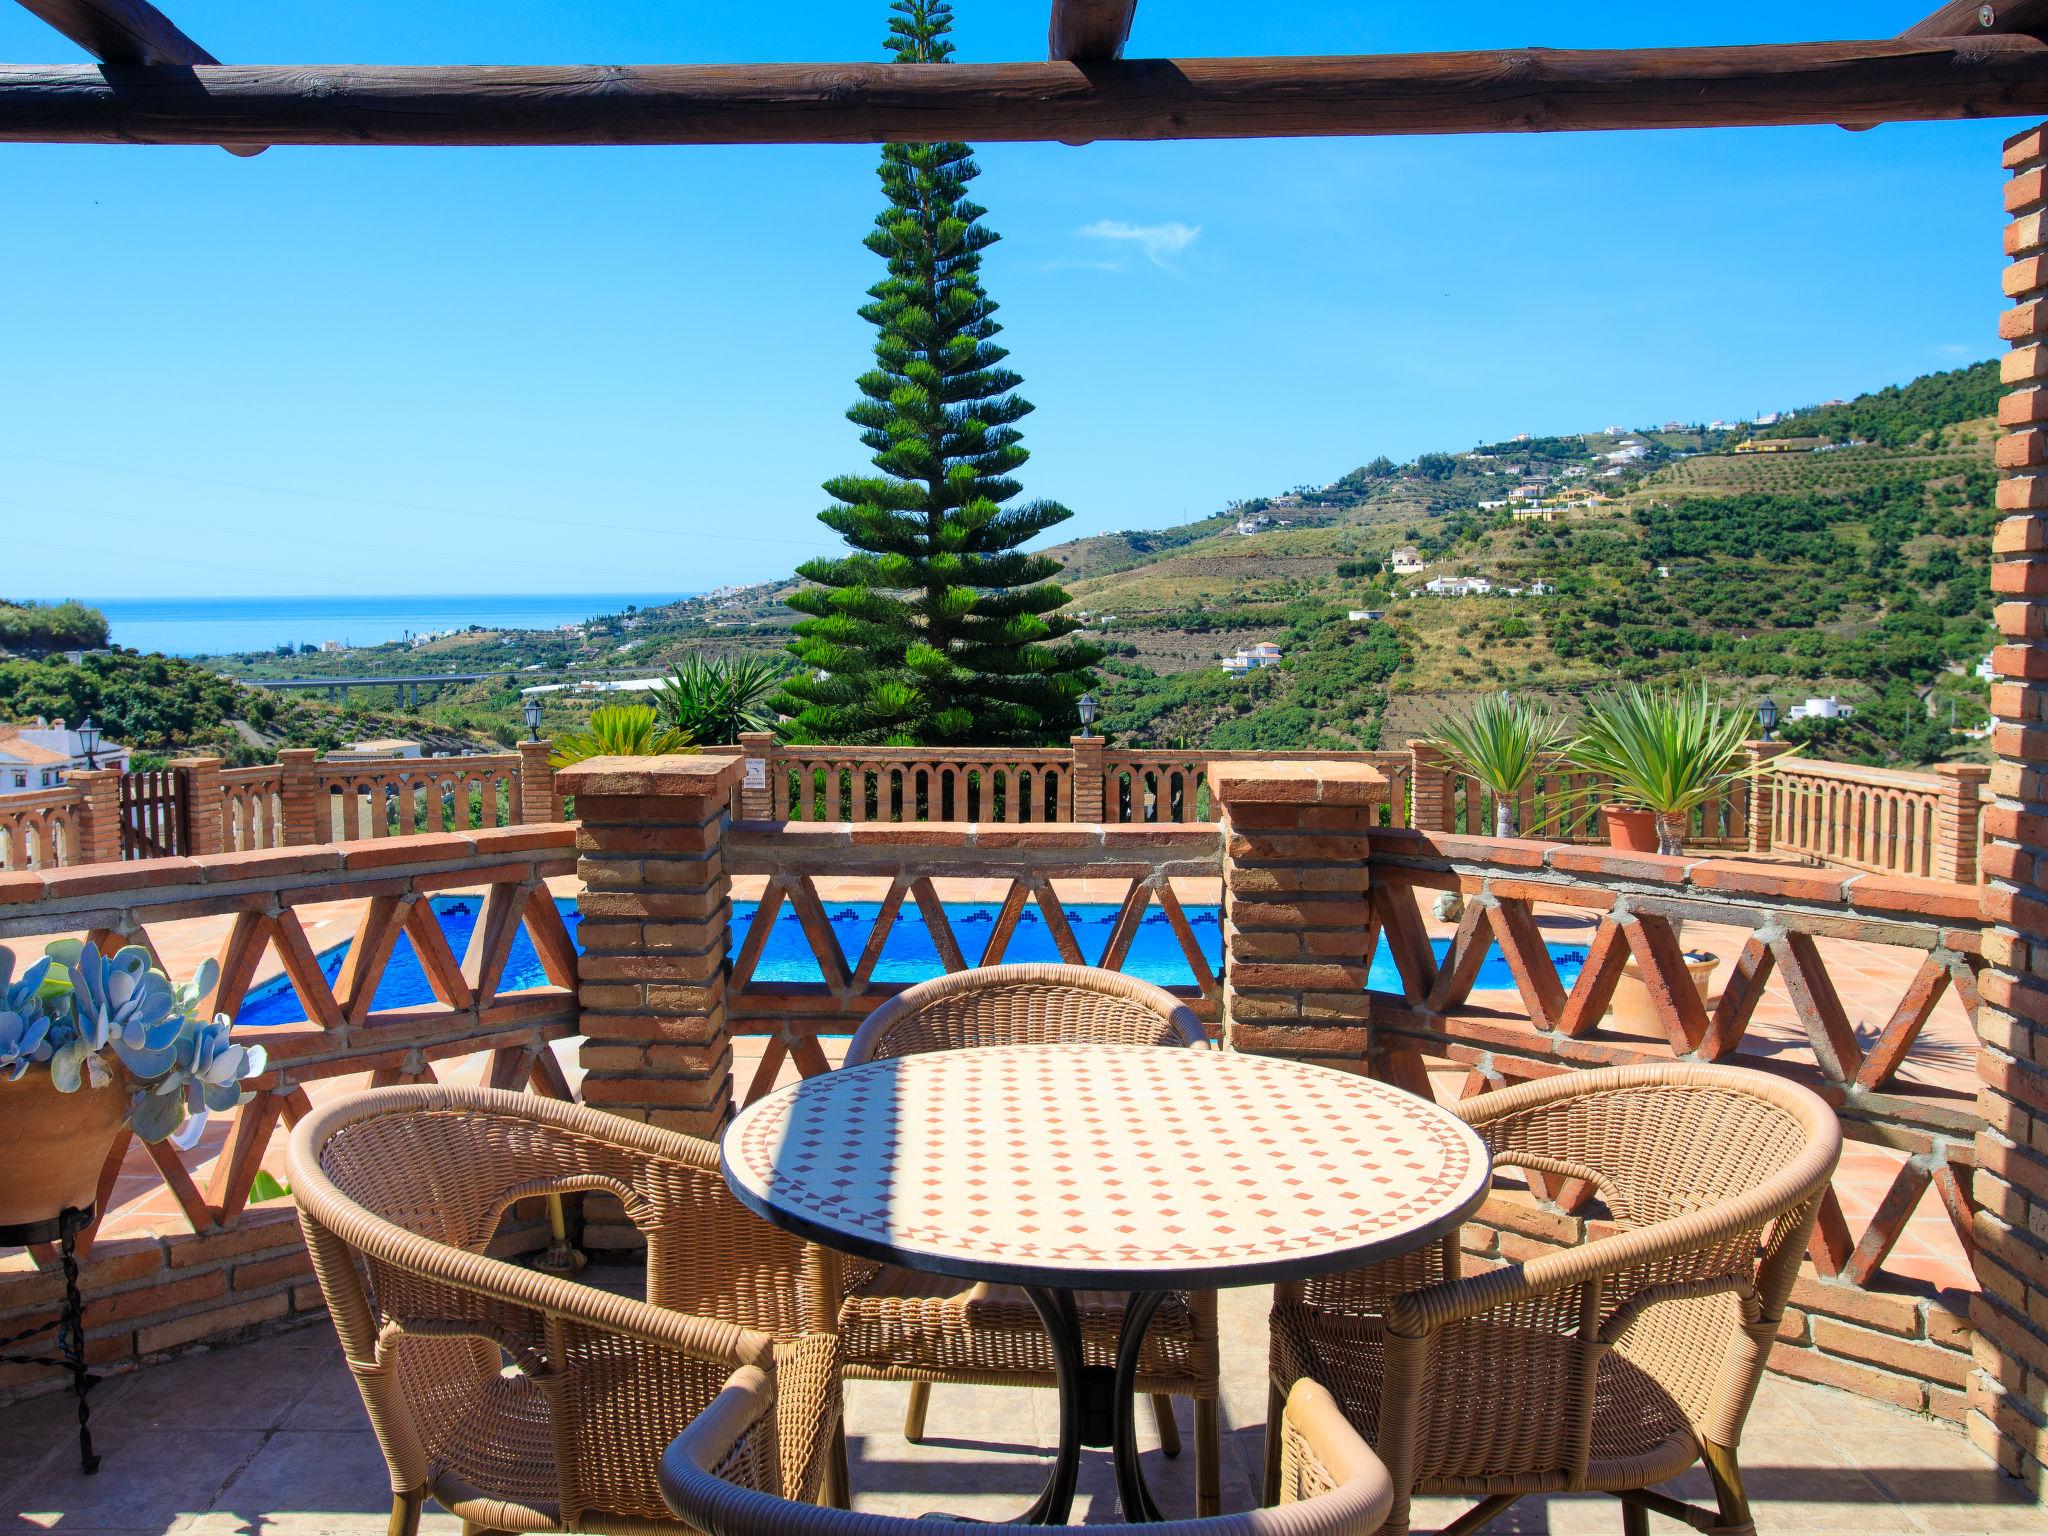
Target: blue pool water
(907,955)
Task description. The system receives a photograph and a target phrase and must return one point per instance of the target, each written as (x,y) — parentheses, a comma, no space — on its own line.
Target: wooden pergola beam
(1965,18)
(128,33)
(1523,91)
(1089,31)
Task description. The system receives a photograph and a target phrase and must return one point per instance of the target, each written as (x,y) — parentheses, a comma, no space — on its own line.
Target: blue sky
(347,370)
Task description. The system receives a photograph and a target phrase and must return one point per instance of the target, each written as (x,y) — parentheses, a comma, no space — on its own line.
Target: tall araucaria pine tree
(935,630)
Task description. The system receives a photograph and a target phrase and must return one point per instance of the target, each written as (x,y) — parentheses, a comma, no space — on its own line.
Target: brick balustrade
(2009,1388)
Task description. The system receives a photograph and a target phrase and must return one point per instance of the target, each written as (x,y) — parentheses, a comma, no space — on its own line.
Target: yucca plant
(1663,750)
(710,701)
(1502,742)
(618,730)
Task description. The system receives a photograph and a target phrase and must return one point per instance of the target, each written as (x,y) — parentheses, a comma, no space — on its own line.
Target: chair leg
(1726,1475)
(838,1490)
(1635,1520)
(405,1512)
(913,1416)
(1276,1409)
(1208,1457)
(1169,1427)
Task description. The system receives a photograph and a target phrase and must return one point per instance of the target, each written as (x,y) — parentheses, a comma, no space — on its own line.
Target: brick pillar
(538,800)
(1086,757)
(1431,811)
(1763,797)
(1958,821)
(308,818)
(656,918)
(1295,905)
(99,818)
(205,811)
(2009,1388)
(757,799)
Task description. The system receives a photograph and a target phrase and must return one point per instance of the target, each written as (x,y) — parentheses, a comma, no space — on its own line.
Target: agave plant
(75,1007)
(711,700)
(618,730)
(1664,750)
(1502,742)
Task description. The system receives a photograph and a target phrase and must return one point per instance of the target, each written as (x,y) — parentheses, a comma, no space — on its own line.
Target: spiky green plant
(711,700)
(1664,750)
(1502,742)
(618,730)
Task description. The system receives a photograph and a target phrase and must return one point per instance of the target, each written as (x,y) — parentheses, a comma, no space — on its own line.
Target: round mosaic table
(1139,1169)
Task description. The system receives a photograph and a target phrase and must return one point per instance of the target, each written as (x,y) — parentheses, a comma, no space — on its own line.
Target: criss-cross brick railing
(898,867)
(218,1263)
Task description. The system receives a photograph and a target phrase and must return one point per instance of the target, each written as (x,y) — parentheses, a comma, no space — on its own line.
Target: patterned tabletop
(1106,1166)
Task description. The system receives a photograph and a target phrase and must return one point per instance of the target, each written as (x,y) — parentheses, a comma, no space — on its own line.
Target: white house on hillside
(1252,658)
(1459,586)
(38,755)
(1829,708)
(1407,560)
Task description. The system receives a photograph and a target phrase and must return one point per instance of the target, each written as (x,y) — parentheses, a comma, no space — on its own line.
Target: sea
(225,626)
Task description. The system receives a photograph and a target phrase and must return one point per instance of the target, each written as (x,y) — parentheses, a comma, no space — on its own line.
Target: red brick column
(538,800)
(1295,905)
(205,811)
(1763,795)
(757,801)
(99,818)
(308,818)
(2009,1388)
(1432,808)
(1958,821)
(656,918)
(1086,757)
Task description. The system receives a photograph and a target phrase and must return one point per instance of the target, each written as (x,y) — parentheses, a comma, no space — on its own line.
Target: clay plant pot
(53,1145)
(1630,831)
(1632,1012)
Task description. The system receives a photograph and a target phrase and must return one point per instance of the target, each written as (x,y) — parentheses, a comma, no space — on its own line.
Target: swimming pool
(907,955)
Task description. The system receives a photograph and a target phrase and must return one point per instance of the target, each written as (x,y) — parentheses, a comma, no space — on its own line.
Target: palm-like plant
(1502,742)
(711,701)
(1664,750)
(618,730)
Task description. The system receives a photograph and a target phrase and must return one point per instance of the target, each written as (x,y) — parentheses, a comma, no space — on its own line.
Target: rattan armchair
(1606,1368)
(903,1325)
(718,1476)
(523,1402)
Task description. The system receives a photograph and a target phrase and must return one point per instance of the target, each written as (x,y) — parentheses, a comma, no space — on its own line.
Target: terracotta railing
(216,1264)
(1562,804)
(864,784)
(1805,936)
(252,808)
(1161,786)
(401,796)
(1880,819)
(39,828)
(1142,863)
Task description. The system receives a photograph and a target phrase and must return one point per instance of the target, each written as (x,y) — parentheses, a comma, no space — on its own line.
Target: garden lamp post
(532,713)
(1767,715)
(89,741)
(1087,708)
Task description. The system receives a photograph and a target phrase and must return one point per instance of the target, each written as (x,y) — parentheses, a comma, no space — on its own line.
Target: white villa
(1829,708)
(1407,560)
(1459,586)
(1252,658)
(40,755)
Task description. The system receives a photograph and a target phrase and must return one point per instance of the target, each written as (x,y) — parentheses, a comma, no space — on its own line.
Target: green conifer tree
(935,631)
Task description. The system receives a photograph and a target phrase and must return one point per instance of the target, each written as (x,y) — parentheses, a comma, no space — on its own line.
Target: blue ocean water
(226,626)
(907,955)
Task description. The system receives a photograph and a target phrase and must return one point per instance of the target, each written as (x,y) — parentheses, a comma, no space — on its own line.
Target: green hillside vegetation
(1901,414)
(37,629)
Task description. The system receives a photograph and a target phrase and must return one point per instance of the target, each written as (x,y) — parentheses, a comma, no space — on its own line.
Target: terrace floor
(269,1439)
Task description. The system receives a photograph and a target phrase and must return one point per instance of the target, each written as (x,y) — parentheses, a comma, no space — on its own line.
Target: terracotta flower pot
(53,1144)
(1631,831)
(1632,1013)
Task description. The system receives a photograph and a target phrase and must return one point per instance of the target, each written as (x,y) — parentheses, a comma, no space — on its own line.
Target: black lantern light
(532,713)
(1087,708)
(1767,715)
(89,741)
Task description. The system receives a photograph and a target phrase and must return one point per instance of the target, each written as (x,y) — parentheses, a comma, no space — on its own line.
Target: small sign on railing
(757,774)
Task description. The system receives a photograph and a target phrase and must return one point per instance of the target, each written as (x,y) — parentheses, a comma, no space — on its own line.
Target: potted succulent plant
(1503,743)
(1664,752)
(89,1043)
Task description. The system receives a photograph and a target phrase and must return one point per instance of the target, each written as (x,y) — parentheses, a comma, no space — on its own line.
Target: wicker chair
(522,1402)
(902,1325)
(716,1474)
(1603,1368)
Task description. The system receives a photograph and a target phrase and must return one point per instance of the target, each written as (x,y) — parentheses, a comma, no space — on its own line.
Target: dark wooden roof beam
(1089,31)
(1518,91)
(127,32)
(1976,18)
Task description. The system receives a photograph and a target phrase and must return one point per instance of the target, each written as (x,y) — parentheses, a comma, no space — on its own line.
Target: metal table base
(1098,1405)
